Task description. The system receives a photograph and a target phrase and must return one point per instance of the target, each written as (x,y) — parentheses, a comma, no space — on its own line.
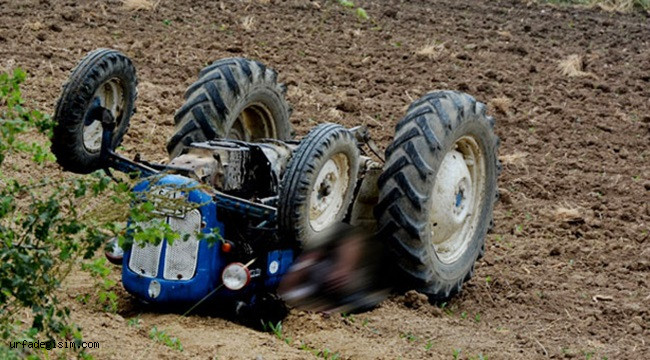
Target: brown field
(566,271)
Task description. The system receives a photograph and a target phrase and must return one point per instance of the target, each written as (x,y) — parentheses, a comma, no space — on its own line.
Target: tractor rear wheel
(437,192)
(233,98)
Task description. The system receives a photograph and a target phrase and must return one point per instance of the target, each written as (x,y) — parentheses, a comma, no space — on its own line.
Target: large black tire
(324,143)
(433,127)
(233,98)
(81,95)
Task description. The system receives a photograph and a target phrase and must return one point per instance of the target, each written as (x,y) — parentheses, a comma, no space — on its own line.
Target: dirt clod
(415,300)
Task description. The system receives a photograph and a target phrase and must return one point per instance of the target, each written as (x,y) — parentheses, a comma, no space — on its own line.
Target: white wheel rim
(457,197)
(111,96)
(328,193)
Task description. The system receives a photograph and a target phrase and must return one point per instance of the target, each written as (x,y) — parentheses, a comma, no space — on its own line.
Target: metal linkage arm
(245,207)
(111,159)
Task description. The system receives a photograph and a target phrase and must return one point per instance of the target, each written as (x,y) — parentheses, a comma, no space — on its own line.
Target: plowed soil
(566,271)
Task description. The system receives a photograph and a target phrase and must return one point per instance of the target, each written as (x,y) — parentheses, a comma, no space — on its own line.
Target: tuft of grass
(164,338)
(573,66)
(138,5)
(277,331)
(622,5)
(408,336)
(134,322)
(362,14)
(588,354)
(359,11)
(516,159)
(566,214)
(433,51)
(607,5)
(349,318)
(568,2)
(519,228)
(456,354)
(428,345)
(247,23)
(447,309)
(347,4)
(501,104)
(326,353)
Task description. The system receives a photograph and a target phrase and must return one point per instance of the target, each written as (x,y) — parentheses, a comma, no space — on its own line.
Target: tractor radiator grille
(145,260)
(181,257)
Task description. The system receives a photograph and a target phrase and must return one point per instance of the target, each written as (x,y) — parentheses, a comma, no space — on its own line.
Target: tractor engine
(246,170)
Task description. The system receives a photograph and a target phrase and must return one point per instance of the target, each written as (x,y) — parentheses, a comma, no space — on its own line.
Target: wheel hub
(326,199)
(456,199)
(109,95)
(254,122)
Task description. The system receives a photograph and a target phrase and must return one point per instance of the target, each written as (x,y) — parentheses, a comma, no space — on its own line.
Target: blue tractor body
(188,272)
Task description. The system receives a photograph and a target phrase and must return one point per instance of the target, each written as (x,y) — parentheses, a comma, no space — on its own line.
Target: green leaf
(362,14)
(346,3)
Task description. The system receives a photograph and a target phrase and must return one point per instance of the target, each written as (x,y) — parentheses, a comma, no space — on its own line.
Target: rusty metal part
(362,135)
(367,195)
(201,162)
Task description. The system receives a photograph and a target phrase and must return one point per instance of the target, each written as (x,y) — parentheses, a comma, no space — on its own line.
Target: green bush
(47,226)
(42,228)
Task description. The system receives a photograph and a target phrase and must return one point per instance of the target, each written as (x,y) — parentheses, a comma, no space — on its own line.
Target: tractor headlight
(235,276)
(154,289)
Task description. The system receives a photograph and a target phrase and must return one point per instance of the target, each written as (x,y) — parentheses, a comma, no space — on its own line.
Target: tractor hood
(186,271)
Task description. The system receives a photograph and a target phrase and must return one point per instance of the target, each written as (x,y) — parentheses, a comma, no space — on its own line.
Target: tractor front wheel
(105,79)
(318,185)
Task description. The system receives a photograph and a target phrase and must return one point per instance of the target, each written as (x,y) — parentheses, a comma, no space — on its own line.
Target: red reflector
(226,247)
